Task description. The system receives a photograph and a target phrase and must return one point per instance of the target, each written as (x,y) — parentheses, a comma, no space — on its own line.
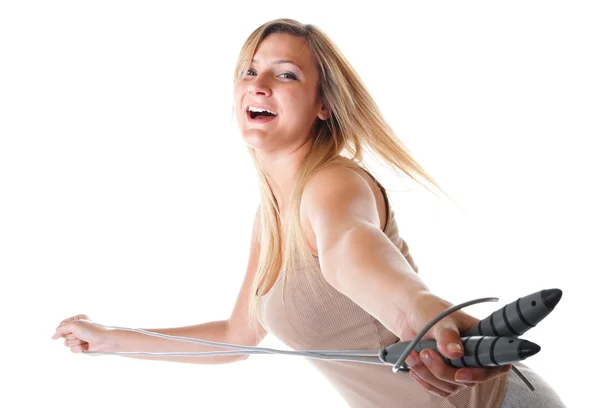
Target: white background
(127,194)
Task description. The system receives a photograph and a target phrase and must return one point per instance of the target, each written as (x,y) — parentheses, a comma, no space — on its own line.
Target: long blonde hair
(355,126)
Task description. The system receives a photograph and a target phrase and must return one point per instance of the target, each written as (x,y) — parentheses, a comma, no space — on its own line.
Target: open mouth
(260,114)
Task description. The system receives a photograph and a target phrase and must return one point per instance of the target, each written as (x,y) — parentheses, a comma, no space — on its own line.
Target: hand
(83,336)
(427,368)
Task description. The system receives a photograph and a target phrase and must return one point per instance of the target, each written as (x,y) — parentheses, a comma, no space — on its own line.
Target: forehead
(278,47)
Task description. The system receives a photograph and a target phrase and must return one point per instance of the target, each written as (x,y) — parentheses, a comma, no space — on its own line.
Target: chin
(255,139)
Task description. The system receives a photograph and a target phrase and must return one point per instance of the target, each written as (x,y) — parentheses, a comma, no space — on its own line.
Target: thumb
(448,339)
(79,329)
(62,330)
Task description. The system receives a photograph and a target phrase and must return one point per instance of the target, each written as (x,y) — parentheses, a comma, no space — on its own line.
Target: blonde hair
(355,126)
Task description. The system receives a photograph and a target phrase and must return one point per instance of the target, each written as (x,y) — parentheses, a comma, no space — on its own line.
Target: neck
(281,170)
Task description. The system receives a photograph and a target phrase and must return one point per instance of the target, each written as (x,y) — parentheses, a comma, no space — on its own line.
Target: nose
(259,86)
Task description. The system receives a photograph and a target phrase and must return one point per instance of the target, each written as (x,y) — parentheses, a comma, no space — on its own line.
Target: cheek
(304,114)
(239,89)
(237,102)
(303,103)
(299,106)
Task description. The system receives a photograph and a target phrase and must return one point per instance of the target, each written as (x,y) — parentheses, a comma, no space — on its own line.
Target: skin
(290,89)
(343,224)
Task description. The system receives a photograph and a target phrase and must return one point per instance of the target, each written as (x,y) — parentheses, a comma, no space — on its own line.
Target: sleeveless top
(325,319)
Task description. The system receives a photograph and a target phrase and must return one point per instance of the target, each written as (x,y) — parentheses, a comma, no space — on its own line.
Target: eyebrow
(280,62)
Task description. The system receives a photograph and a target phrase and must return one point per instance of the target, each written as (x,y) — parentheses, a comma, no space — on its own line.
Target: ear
(325,111)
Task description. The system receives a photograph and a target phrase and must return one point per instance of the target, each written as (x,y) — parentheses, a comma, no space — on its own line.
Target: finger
(59,333)
(438,367)
(70,336)
(66,329)
(75,318)
(443,371)
(448,339)
(428,387)
(71,343)
(426,375)
(480,374)
(68,319)
(465,321)
(62,330)
(80,348)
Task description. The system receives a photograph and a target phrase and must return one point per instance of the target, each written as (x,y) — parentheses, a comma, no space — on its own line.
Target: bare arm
(360,261)
(356,257)
(236,330)
(211,331)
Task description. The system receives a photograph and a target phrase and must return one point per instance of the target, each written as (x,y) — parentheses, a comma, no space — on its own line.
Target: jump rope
(493,342)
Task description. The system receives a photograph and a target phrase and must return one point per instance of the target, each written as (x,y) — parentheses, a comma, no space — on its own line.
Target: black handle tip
(527,349)
(551,297)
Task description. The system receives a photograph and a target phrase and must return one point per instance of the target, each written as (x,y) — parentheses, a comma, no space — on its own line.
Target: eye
(285,75)
(289,75)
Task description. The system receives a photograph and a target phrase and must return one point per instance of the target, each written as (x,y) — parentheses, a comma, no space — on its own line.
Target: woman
(328,269)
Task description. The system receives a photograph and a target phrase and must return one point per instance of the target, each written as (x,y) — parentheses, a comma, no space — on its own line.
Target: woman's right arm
(235,330)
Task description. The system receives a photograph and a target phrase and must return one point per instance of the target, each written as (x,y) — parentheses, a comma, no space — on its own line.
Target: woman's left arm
(360,261)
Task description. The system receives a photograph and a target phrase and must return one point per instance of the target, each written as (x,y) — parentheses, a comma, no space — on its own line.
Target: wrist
(408,305)
(413,299)
(113,341)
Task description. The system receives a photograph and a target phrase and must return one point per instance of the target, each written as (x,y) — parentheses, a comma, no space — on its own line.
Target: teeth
(253,109)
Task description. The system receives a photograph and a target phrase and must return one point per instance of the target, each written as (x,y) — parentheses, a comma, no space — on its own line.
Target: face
(282,79)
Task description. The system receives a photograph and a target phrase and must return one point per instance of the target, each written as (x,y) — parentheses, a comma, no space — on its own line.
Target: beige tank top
(326,319)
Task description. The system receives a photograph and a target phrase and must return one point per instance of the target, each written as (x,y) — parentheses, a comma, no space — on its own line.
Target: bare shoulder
(336,198)
(335,182)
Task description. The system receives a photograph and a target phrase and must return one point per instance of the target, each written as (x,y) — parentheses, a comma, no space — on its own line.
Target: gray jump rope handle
(510,322)
(479,351)
(519,316)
